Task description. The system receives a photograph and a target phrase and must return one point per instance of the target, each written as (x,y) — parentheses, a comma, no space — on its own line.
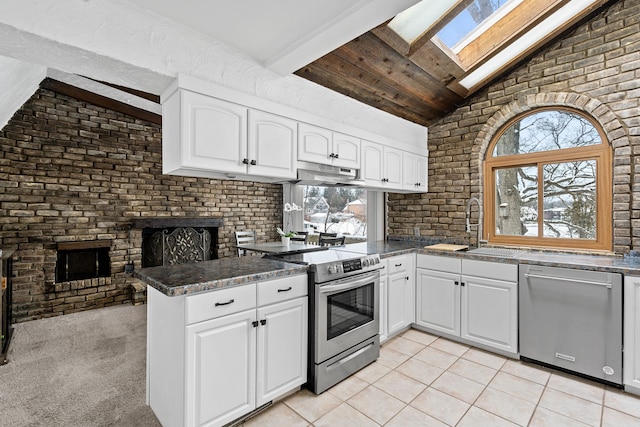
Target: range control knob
(365,262)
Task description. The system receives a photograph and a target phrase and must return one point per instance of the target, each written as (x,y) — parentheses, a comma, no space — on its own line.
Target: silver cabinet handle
(567,279)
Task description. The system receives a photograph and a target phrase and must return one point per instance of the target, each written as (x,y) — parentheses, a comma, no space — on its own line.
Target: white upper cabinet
(347,150)
(372,171)
(213,131)
(381,166)
(320,145)
(206,136)
(203,133)
(414,172)
(272,145)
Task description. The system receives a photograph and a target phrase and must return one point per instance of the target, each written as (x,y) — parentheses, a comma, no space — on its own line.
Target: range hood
(327,176)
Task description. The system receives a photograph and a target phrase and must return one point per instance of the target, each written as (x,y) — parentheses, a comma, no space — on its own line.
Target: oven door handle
(349,283)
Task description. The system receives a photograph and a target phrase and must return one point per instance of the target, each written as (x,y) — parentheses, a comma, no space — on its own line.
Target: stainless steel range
(343,314)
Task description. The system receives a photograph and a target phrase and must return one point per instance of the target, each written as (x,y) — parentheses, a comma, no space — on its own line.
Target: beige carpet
(83,369)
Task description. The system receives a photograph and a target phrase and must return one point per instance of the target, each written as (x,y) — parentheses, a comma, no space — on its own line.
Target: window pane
(545,131)
(335,210)
(570,200)
(516,210)
(468,20)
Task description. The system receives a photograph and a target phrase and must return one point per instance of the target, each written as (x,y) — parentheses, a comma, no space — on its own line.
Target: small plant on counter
(283,234)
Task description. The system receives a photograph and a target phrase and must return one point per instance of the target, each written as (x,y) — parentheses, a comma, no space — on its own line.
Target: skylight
(418,19)
(476,18)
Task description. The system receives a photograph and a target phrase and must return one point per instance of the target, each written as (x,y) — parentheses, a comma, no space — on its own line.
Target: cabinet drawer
(220,303)
(398,263)
(439,263)
(273,291)
(490,270)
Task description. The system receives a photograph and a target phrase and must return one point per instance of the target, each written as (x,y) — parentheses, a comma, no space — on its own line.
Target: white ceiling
(281,35)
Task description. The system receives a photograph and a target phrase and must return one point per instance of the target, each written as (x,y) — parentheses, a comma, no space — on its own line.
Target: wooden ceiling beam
(509,28)
(569,23)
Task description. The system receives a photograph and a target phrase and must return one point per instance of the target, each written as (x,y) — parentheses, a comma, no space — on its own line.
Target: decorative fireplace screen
(167,241)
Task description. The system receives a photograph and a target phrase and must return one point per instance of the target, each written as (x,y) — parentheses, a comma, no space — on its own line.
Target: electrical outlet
(416,231)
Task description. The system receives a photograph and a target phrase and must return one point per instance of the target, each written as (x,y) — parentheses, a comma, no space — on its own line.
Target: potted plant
(285,237)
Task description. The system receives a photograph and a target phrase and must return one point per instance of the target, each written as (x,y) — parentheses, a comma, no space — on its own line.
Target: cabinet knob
(406,278)
(335,156)
(245,161)
(253,163)
(461,283)
(456,283)
(263,322)
(254,323)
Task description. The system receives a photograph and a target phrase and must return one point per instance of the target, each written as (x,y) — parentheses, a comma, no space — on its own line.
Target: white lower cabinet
(631,358)
(221,351)
(282,349)
(400,283)
(476,301)
(241,348)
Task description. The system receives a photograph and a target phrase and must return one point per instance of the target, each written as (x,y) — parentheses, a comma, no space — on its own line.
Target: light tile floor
(423,380)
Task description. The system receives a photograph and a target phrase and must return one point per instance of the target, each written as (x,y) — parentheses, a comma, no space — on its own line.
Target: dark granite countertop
(173,280)
(605,263)
(222,273)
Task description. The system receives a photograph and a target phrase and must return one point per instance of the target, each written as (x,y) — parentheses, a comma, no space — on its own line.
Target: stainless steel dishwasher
(572,319)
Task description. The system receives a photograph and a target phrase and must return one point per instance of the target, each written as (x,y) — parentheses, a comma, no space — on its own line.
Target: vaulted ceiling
(422,79)
(388,54)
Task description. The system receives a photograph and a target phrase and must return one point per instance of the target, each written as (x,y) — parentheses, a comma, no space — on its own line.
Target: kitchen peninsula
(213,306)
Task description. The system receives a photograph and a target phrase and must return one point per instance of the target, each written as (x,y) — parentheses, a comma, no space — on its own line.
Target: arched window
(548,182)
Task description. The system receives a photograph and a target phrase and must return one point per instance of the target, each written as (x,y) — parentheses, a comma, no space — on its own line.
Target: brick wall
(71,171)
(595,68)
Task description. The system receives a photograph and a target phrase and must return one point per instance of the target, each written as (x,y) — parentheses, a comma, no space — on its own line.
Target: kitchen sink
(498,252)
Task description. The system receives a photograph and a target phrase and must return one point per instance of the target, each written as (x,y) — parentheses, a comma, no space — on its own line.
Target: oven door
(346,314)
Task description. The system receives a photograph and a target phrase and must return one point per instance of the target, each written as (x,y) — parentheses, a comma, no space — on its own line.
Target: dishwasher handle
(566,279)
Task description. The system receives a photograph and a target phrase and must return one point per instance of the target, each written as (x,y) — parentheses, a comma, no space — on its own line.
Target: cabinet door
(392,168)
(489,312)
(346,149)
(273,143)
(422,165)
(438,301)
(372,167)
(220,369)
(631,372)
(214,133)
(409,171)
(400,302)
(314,144)
(282,349)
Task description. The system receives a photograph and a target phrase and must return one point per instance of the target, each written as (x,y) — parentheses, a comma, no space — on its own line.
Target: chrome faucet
(480,218)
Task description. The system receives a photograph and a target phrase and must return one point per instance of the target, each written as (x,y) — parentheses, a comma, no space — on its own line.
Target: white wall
(128,46)
(18,81)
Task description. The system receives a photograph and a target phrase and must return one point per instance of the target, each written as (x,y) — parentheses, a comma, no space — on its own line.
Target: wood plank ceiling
(420,81)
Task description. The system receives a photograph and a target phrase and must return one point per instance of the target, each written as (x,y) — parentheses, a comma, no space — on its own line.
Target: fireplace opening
(83,260)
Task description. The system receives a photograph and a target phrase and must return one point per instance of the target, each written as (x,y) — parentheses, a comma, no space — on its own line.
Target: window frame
(602,155)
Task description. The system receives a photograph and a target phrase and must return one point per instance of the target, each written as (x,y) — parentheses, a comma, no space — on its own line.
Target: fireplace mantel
(167,222)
